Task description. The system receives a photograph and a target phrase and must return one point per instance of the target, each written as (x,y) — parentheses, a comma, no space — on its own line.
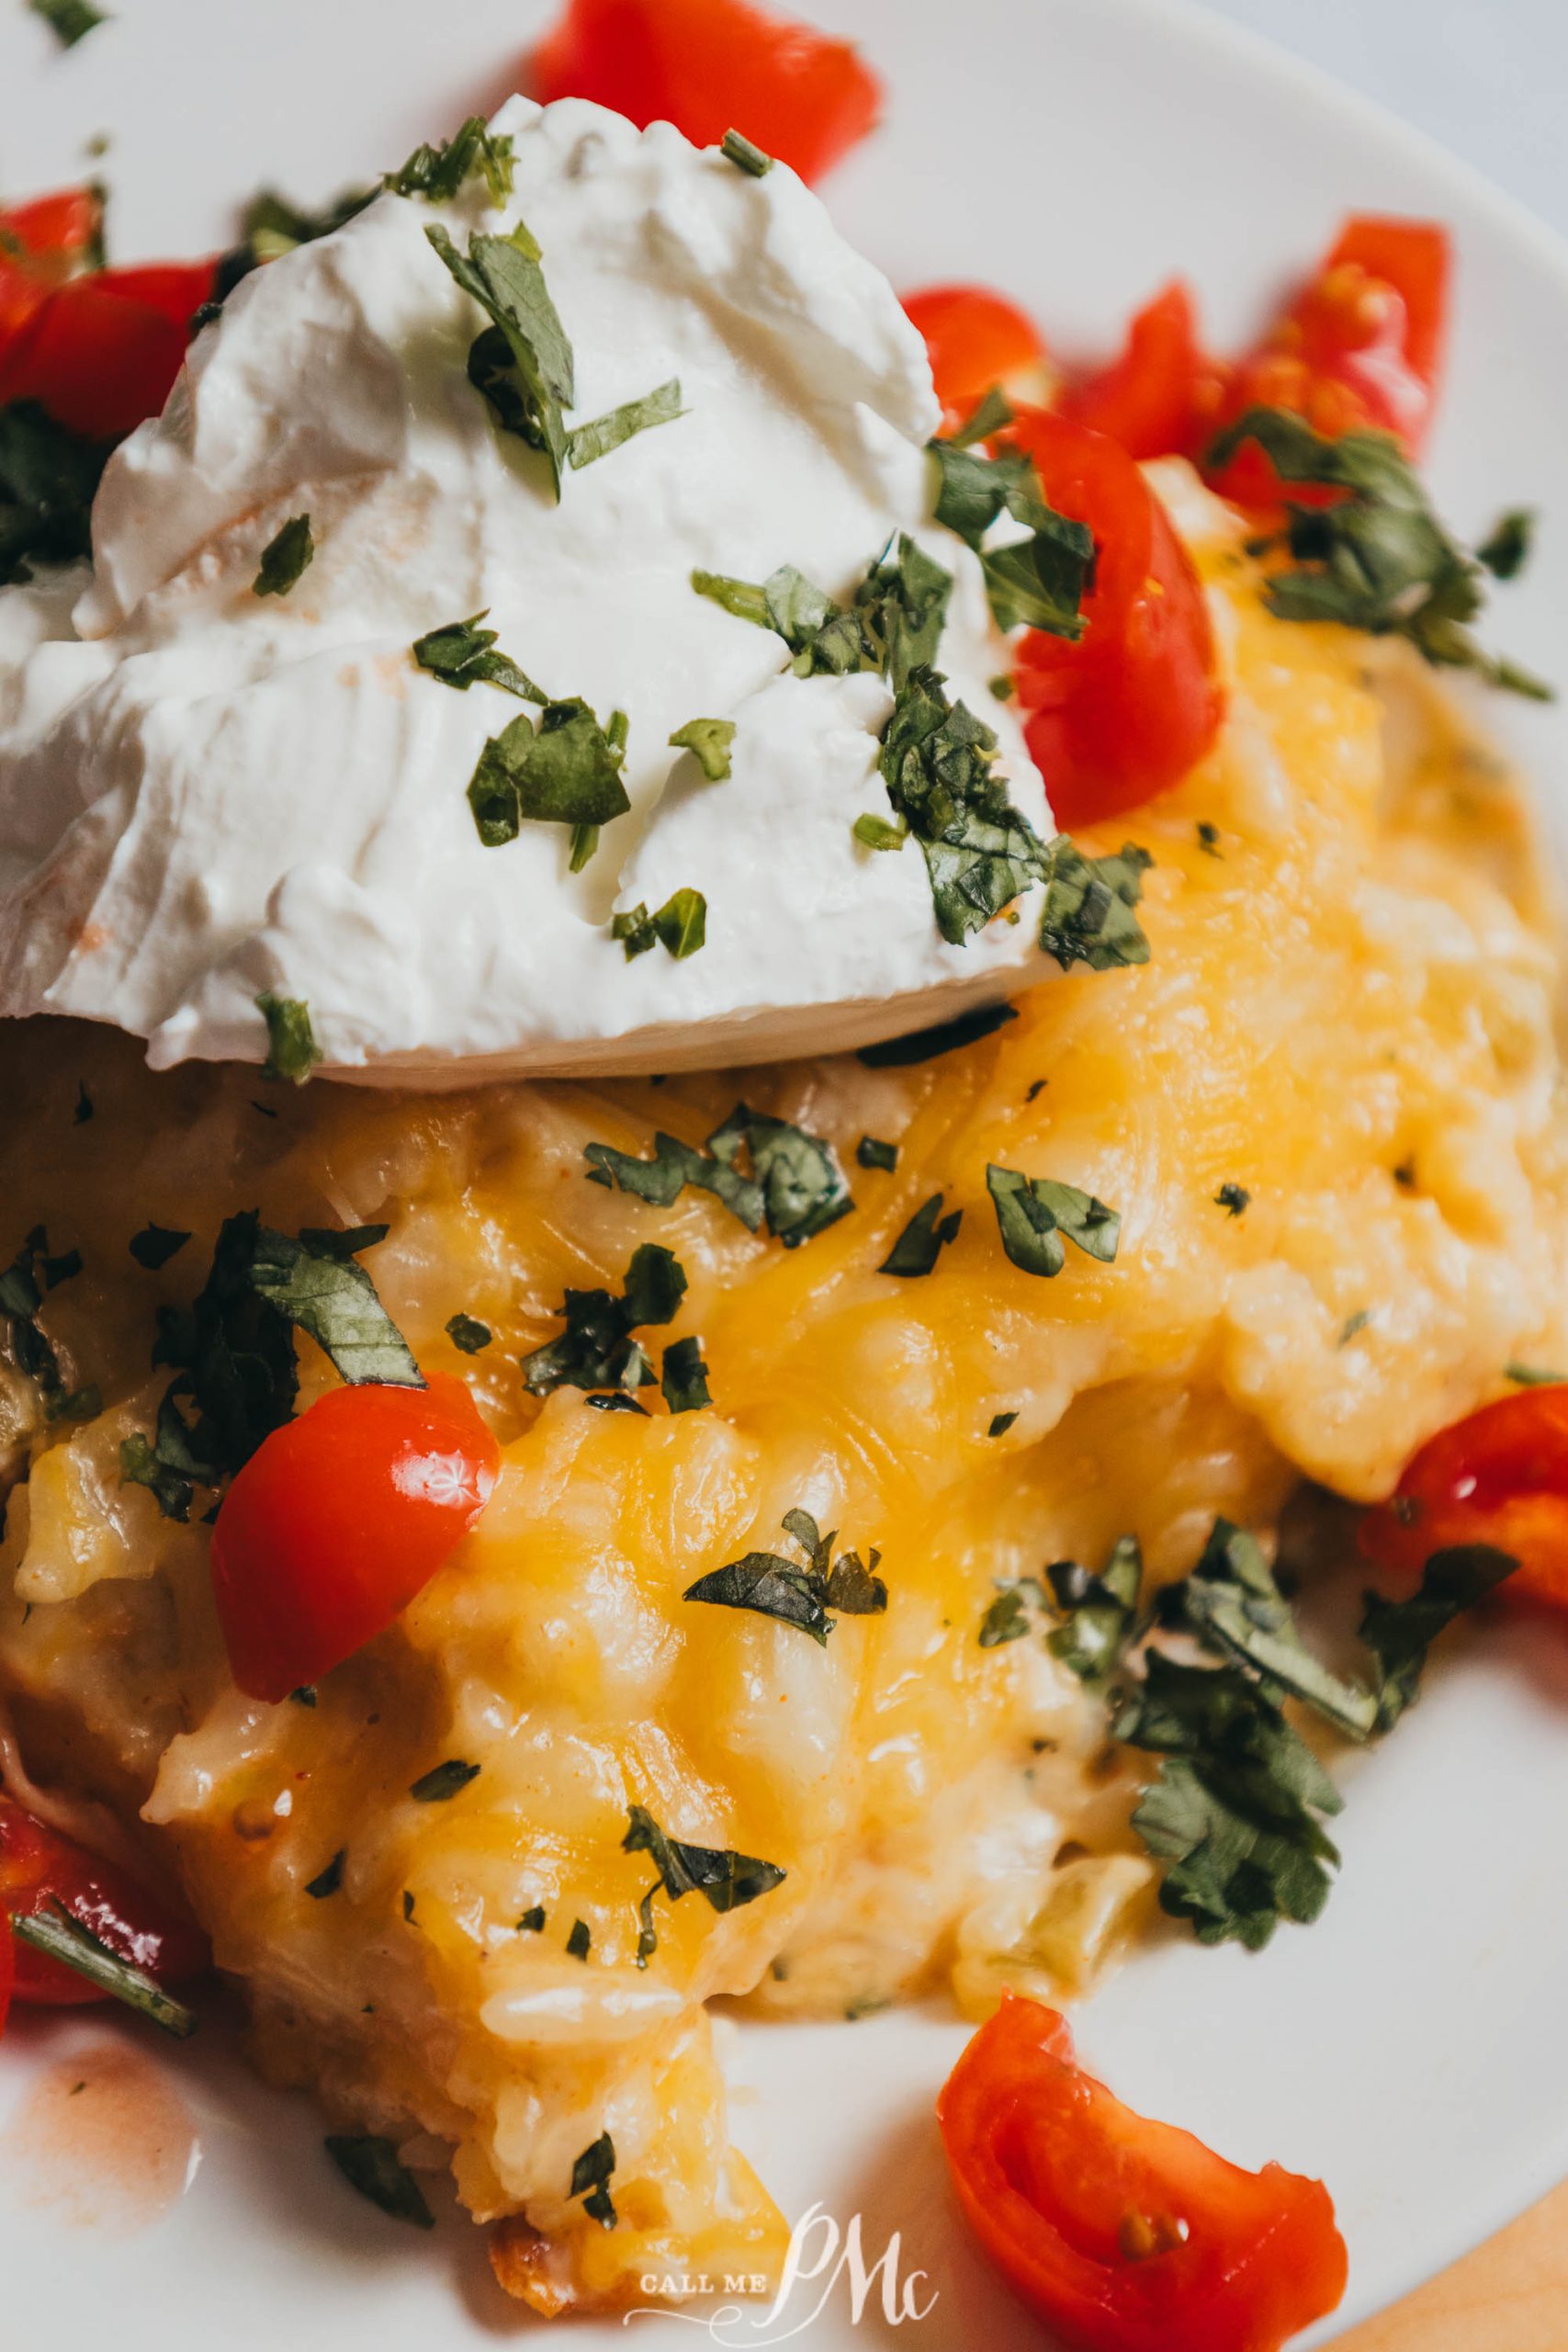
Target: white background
(1487,77)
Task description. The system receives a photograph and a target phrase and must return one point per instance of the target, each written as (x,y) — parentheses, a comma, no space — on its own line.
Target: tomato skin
(709,66)
(338,1520)
(1155,395)
(101,352)
(976,338)
(1052,2171)
(1129,710)
(1499,1476)
(40,1867)
(7,1968)
(1359,347)
(42,242)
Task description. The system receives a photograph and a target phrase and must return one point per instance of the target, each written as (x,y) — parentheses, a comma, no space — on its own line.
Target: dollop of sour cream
(207,795)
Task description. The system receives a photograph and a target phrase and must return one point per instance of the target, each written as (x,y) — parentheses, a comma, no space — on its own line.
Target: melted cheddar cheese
(1348,1013)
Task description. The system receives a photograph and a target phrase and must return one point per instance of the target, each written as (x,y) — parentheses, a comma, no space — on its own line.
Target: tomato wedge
(338,1520)
(39,1867)
(977,338)
(1156,396)
(101,352)
(1500,1477)
(709,66)
(1120,2235)
(42,242)
(1127,711)
(1361,347)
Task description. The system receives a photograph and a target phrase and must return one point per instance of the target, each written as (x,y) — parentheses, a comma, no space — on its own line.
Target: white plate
(1413,2047)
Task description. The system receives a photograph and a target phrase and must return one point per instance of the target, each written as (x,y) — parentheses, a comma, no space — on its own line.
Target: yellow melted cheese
(1349,1013)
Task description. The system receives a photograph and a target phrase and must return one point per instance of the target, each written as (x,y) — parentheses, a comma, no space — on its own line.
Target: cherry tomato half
(1500,1477)
(975,339)
(101,352)
(1121,2234)
(709,66)
(1127,711)
(40,1867)
(42,242)
(1156,396)
(338,1520)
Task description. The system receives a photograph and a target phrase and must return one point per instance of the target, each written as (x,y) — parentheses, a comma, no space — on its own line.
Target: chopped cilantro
(944,1037)
(568,772)
(1088,916)
(797,1183)
(936,762)
(286,558)
(372,2165)
(748,158)
(1038,582)
(597,1350)
(69,21)
(616,1402)
(1013,1612)
(579,1942)
(315,1283)
(1523,1376)
(685,1378)
(1000,1424)
(443,1781)
(893,626)
(1209,837)
(724,1879)
(923,1239)
(872,1152)
(675,1164)
(1400,1633)
(532,1923)
(590,2177)
(328,1881)
(59,1935)
(155,1245)
(874,832)
(772,1586)
(462,654)
(709,740)
(1034,1212)
(173,1466)
(1377,559)
(1233,1198)
(48,478)
(22,1283)
(1100,1611)
(292,1051)
(1002,687)
(1506,550)
(1232,1604)
(438,173)
(467,1334)
(586,444)
(523,365)
(680,926)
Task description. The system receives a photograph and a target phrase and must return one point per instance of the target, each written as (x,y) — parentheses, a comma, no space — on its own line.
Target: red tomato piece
(7,1968)
(338,1520)
(42,242)
(975,339)
(102,352)
(1121,2234)
(1155,398)
(1127,711)
(40,1867)
(1500,1477)
(709,66)
(1361,347)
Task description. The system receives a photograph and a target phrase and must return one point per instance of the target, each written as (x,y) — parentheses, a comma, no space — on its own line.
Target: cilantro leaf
(316,1285)
(467,1334)
(462,654)
(748,158)
(60,1935)
(586,444)
(438,173)
(1507,547)
(48,478)
(725,1880)
(1039,581)
(936,762)
(443,1781)
(684,1382)
(530,379)
(1011,1615)
(1033,1212)
(20,1300)
(680,925)
(372,2165)
(923,1239)
(772,1586)
(1000,1424)
(1233,1198)
(292,1051)
(674,1164)
(69,21)
(286,558)
(1102,1611)
(875,832)
(580,1944)
(944,1037)
(591,2176)
(803,1187)
(174,1465)
(1088,915)
(709,740)
(155,1245)
(1378,559)
(568,773)
(893,626)
(1400,1633)
(597,1350)
(872,1152)
(1231,1603)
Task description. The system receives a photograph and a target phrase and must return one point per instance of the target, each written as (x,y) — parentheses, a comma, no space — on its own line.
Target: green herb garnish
(462,654)
(372,2165)
(872,1152)
(22,1283)
(1100,1611)
(1233,1198)
(286,559)
(532,1923)
(1033,1213)
(292,1051)
(724,1879)
(892,624)
(1378,559)
(59,1935)
(443,1781)
(797,1183)
(1000,1424)
(1088,916)
(565,772)
(155,1245)
(467,1334)
(48,478)
(773,1586)
(590,2177)
(438,173)
(597,1350)
(936,762)
(745,156)
(709,740)
(1013,1613)
(1039,581)
(522,364)
(680,926)
(923,1239)
(1525,1375)
(586,444)
(684,1382)
(579,1942)
(328,1881)
(69,21)
(1400,1633)
(874,832)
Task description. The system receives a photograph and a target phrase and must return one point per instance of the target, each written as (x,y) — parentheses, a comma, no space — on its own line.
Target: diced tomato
(1361,347)
(7,1967)
(42,242)
(101,352)
(1120,2235)
(975,339)
(1128,709)
(1155,398)
(1500,1477)
(709,66)
(338,1520)
(39,1869)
